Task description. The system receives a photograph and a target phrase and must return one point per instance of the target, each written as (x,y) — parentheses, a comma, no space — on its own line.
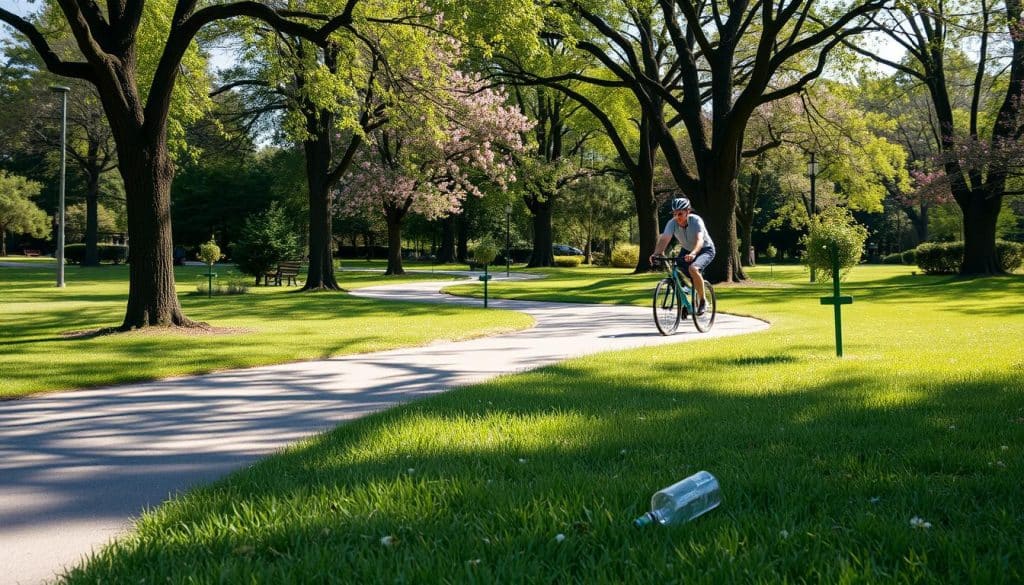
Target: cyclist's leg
(696,269)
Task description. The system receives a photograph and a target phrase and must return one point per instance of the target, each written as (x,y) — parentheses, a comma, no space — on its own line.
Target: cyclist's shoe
(685,313)
(702,309)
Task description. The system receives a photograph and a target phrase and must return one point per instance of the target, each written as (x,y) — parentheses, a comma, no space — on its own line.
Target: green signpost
(836,300)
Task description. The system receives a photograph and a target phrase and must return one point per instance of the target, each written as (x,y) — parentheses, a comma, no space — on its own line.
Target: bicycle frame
(681,281)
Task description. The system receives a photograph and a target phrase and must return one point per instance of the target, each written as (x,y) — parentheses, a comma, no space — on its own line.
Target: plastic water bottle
(683,501)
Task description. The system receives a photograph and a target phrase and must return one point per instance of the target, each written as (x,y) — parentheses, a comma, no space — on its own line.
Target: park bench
(286,272)
(31,252)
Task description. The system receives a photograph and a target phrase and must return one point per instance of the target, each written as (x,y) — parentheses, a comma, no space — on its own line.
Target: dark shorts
(704,257)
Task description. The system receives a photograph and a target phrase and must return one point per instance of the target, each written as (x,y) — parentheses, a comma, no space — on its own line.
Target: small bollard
(485,277)
(836,300)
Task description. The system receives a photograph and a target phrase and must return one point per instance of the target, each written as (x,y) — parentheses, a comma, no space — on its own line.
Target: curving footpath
(77,467)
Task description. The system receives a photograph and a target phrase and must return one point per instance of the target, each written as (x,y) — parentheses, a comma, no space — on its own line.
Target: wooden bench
(286,272)
(31,252)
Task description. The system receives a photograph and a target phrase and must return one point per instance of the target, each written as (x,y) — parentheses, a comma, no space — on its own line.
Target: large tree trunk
(540,208)
(446,252)
(3,241)
(320,275)
(92,224)
(647,218)
(394,221)
(147,172)
(980,215)
(720,218)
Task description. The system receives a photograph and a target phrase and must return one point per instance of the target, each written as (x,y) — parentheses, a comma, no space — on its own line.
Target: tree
(135,70)
(596,209)
(18,214)
(460,134)
(266,239)
(79,220)
(709,67)
(979,145)
(31,123)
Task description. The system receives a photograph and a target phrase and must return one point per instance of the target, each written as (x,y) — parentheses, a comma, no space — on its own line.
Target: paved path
(77,467)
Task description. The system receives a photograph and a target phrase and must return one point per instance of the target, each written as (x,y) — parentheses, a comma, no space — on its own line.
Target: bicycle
(675,299)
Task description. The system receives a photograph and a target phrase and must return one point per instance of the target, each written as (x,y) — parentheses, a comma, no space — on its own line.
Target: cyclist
(698,249)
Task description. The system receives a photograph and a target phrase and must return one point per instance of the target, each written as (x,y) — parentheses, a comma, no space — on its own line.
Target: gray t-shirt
(687,236)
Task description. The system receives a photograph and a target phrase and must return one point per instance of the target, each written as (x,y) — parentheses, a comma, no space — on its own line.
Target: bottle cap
(642,521)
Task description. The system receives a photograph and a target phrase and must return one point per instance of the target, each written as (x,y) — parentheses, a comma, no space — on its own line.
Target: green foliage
(231,287)
(485,251)
(568,261)
(834,229)
(209,252)
(1010,255)
(18,213)
(771,252)
(940,257)
(907,257)
(75,220)
(626,256)
(267,238)
(113,253)
(947,257)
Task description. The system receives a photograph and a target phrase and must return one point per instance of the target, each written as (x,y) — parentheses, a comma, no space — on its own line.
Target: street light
(508,232)
(812,171)
(63,91)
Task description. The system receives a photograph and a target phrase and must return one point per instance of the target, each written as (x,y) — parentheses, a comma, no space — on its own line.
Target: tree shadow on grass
(474,485)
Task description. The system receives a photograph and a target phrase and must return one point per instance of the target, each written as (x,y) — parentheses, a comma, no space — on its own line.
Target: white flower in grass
(875,500)
(783,534)
(559,537)
(522,460)
(918,522)
(1003,448)
(473,562)
(411,470)
(388,540)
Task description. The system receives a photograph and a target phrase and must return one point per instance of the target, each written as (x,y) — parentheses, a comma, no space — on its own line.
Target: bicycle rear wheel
(705,321)
(666,307)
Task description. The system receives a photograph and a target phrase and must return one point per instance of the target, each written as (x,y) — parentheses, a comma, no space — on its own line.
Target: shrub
(568,261)
(626,256)
(115,253)
(231,288)
(596,258)
(948,257)
(1010,255)
(485,251)
(940,257)
(834,229)
(267,238)
(771,252)
(908,257)
(209,252)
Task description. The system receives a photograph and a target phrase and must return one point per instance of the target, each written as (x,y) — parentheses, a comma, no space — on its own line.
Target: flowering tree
(432,154)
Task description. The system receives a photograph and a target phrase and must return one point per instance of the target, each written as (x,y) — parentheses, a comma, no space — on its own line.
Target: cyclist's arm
(661,244)
(697,246)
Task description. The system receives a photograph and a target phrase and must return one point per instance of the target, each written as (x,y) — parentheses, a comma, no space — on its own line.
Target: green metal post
(836,300)
(835,294)
(485,278)
(209,281)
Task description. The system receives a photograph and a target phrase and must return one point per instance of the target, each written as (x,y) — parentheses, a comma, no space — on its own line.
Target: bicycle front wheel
(704,321)
(666,307)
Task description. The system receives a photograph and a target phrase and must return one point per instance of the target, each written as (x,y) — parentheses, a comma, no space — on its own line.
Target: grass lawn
(268,325)
(902,462)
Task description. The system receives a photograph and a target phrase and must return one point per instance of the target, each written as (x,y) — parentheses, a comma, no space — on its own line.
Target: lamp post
(812,172)
(63,91)
(508,232)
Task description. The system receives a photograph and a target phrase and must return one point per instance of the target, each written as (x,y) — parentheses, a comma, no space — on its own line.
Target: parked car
(563,250)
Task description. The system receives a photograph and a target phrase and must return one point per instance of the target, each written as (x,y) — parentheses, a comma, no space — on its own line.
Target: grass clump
(900,463)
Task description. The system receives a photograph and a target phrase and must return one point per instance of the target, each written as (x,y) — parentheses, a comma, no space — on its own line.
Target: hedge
(568,261)
(947,257)
(116,253)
